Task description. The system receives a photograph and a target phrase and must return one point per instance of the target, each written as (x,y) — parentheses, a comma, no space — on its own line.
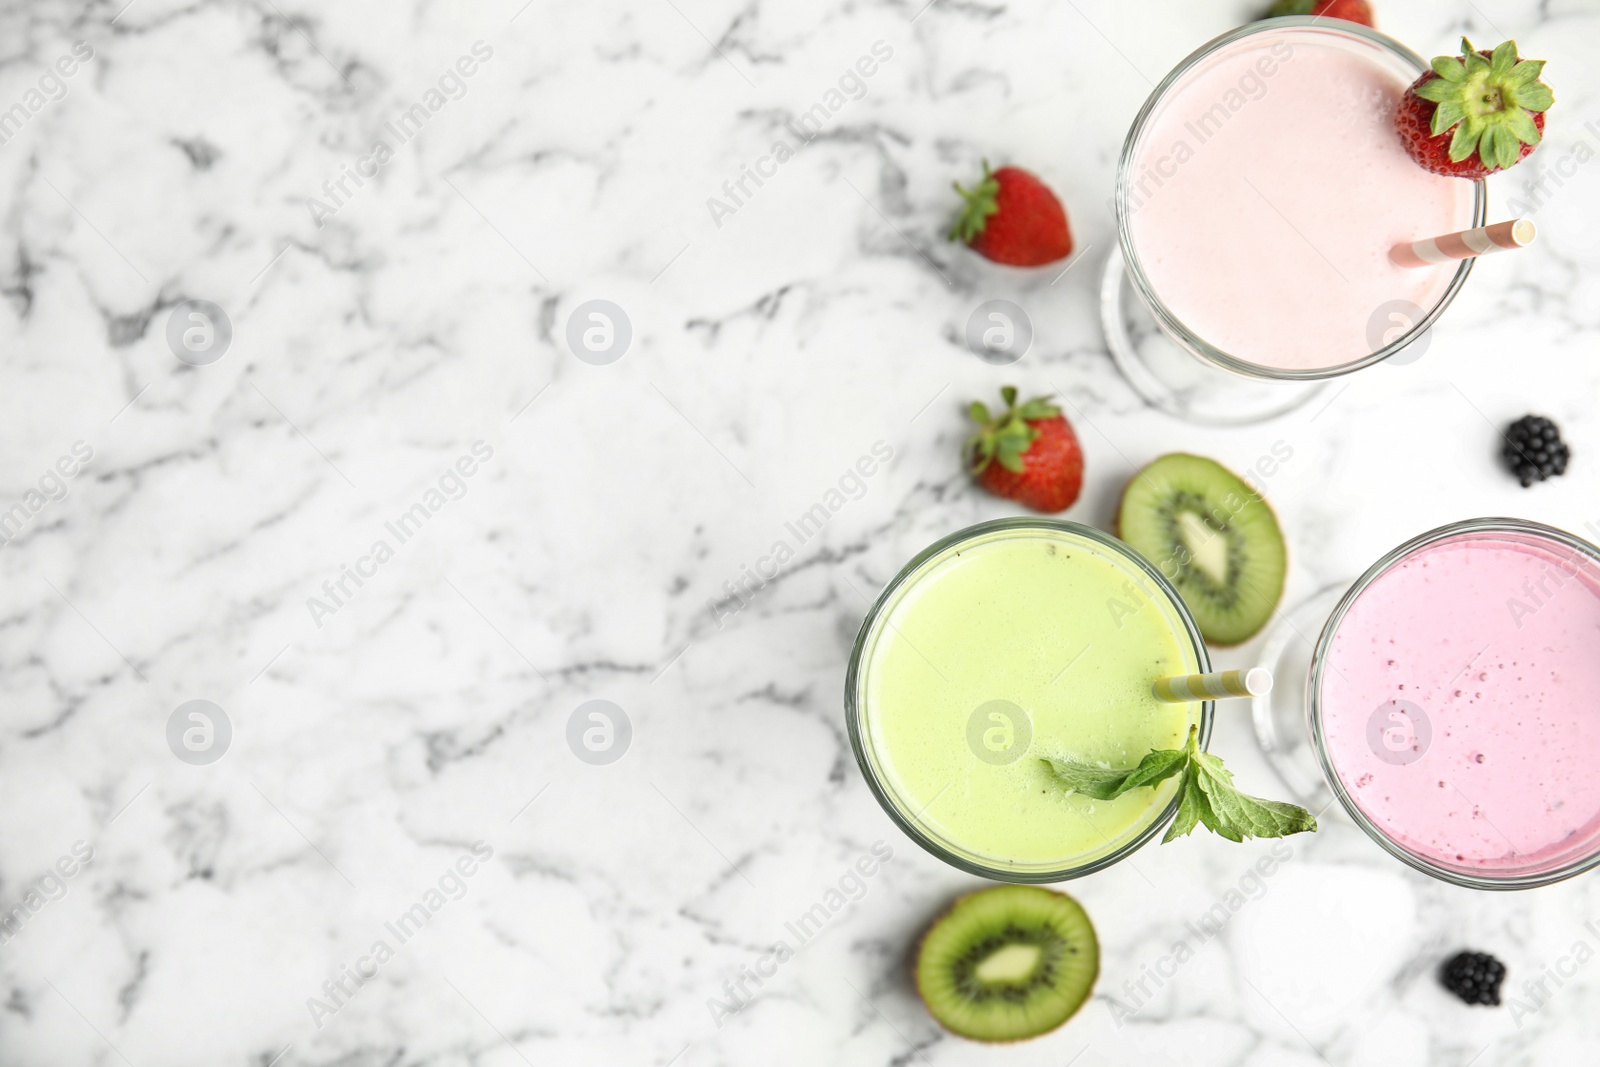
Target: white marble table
(398,534)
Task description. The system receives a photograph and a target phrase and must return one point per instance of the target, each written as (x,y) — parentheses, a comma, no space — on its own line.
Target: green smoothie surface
(1017,644)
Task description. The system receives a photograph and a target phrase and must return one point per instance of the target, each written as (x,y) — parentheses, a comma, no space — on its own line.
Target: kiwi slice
(1215,538)
(1008,963)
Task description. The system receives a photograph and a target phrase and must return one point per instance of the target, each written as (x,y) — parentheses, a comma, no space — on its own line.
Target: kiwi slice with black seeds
(1215,539)
(1008,963)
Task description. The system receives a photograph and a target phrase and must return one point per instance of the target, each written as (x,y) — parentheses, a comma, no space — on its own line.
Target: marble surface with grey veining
(367,504)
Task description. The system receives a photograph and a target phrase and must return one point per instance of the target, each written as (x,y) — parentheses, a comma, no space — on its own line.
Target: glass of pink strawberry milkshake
(1454,703)
(1258,196)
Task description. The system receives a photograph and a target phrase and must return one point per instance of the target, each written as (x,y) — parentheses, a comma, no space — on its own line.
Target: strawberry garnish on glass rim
(1476,113)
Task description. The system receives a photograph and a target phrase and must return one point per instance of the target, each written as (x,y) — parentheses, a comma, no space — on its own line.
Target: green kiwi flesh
(1213,537)
(1008,963)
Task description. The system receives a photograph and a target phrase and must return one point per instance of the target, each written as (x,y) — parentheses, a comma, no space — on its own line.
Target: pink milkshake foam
(1460,703)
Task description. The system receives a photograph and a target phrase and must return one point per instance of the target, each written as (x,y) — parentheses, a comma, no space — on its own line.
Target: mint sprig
(1206,793)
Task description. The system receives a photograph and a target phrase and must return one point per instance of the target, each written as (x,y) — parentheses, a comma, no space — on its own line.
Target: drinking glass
(1166,361)
(1291,723)
(912,815)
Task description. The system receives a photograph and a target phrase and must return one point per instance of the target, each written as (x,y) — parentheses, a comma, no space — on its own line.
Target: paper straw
(1218,685)
(1467,244)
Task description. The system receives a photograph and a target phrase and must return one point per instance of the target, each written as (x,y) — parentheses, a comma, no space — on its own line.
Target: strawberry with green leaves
(1028,454)
(1349,10)
(1012,217)
(1475,114)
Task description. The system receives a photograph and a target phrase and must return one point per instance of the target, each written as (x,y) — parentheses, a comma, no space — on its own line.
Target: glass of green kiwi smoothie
(1003,645)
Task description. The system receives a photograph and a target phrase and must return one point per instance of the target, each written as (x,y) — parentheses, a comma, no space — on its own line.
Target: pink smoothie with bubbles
(1460,703)
(1267,190)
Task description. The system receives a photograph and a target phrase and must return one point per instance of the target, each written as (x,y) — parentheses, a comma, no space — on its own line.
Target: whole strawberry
(1475,114)
(1349,10)
(1029,454)
(1013,218)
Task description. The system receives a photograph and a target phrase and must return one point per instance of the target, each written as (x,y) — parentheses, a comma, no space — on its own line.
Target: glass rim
(854,708)
(1314,720)
(1169,321)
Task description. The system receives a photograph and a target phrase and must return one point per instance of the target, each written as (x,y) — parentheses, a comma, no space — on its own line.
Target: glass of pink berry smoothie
(1258,196)
(1454,703)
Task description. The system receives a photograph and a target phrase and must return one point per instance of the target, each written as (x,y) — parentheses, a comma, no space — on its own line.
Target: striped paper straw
(1255,682)
(1465,245)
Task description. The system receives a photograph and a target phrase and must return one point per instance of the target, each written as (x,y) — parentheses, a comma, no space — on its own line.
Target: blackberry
(1534,450)
(1475,977)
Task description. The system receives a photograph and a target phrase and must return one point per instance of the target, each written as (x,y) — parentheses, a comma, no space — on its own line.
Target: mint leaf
(1206,793)
(1193,808)
(1236,815)
(1089,779)
(1102,783)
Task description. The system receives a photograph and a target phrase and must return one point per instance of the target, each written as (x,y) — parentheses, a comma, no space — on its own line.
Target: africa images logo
(451,885)
(402,129)
(452,485)
(807,126)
